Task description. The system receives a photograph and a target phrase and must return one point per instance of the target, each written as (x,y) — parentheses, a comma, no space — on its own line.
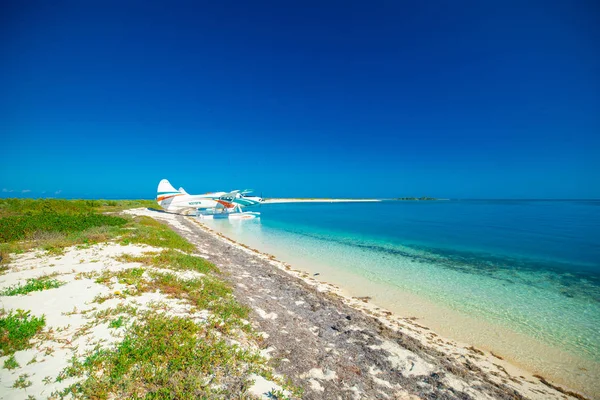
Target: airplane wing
(231,195)
(236,197)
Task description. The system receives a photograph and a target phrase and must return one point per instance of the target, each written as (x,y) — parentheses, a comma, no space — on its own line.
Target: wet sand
(519,349)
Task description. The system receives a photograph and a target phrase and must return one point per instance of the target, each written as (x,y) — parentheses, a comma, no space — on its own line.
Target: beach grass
(11,207)
(204,293)
(164,357)
(22,382)
(170,356)
(32,285)
(52,225)
(20,227)
(11,363)
(16,329)
(145,230)
(172,259)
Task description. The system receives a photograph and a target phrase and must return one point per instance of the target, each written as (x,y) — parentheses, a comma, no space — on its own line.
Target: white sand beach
(73,312)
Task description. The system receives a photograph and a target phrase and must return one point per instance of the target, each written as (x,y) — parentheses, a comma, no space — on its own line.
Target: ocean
(518,277)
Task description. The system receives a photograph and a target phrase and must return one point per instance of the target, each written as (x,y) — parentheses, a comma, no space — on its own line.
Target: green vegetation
(131,276)
(52,225)
(172,259)
(32,285)
(22,382)
(277,395)
(12,207)
(25,226)
(11,363)
(163,357)
(151,232)
(117,323)
(16,329)
(204,293)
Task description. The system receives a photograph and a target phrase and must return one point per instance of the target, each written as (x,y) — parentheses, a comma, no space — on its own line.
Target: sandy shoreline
(328,343)
(497,370)
(528,353)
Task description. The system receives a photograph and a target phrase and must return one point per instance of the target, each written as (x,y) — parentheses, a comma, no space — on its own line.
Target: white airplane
(179,201)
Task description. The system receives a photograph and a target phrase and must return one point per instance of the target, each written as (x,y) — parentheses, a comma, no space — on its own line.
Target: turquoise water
(533,266)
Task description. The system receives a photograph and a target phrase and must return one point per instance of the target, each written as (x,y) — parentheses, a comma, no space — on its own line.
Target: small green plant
(11,363)
(277,395)
(131,276)
(16,329)
(117,323)
(172,259)
(22,382)
(149,231)
(32,285)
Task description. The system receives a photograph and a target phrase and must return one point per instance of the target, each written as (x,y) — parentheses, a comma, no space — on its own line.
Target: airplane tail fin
(165,191)
(182,190)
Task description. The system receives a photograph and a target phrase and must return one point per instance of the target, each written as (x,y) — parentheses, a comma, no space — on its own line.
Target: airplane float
(206,206)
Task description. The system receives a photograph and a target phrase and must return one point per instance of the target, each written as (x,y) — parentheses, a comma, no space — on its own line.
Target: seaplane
(216,205)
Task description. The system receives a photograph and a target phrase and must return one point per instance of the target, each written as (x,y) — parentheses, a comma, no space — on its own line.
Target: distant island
(415,198)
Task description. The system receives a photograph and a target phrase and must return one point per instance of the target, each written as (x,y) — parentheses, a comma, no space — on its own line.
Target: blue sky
(387,98)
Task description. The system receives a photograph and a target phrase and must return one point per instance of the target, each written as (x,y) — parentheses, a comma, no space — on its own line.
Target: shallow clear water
(531,266)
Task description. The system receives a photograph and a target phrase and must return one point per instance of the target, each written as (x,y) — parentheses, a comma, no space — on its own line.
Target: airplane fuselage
(179,201)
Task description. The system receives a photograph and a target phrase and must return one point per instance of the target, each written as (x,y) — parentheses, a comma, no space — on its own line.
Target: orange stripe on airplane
(225,204)
(161,198)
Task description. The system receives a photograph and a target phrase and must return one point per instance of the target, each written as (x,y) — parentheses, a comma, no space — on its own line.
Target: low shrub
(21,227)
(16,329)
(32,285)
